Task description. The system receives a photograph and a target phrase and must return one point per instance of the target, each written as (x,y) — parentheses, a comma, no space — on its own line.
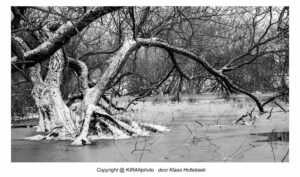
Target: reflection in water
(273,136)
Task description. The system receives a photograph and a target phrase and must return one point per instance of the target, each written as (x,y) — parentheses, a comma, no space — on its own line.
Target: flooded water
(200,132)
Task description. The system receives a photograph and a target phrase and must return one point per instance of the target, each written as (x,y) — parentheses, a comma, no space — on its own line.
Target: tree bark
(53,112)
(94,94)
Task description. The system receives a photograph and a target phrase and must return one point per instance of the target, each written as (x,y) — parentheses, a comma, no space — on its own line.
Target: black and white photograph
(149,83)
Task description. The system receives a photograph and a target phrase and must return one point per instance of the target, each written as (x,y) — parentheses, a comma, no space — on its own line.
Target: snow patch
(159,128)
(106,137)
(138,130)
(35,138)
(118,134)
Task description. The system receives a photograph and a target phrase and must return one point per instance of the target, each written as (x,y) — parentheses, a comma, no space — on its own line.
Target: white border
(89,169)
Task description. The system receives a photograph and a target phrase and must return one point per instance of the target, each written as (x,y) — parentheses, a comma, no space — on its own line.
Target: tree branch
(155,42)
(63,34)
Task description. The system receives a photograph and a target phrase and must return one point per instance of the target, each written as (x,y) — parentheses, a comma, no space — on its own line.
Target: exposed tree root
(103,126)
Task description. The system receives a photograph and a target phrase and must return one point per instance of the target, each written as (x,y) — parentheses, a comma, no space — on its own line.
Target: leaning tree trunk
(93,95)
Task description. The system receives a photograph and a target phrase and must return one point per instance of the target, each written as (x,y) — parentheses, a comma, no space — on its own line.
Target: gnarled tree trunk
(58,121)
(55,116)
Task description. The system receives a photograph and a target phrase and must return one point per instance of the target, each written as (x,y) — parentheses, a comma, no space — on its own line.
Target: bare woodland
(68,62)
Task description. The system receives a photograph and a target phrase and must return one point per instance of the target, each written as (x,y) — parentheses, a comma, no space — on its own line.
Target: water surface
(200,132)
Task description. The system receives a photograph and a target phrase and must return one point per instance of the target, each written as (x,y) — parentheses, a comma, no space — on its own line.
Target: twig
(189,129)
(143,150)
(277,104)
(250,114)
(281,94)
(273,153)
(241,118)
(251,146)
(237,150)
(245,115)
(282,160)
(199,123)
(270,112)
(120,152)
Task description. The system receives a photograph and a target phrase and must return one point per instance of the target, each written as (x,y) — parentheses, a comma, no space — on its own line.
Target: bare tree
(174,33)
